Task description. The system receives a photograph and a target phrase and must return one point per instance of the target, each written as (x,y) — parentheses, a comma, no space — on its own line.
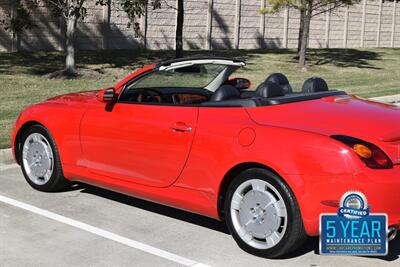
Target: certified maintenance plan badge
(353,230)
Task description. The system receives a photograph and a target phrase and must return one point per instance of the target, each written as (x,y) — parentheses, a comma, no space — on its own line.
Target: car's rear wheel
(262,214)
(40,161)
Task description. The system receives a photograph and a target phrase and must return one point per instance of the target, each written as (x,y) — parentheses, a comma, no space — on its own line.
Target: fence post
(209,25)
(262,25)
(286,27)
(143,26)
(327,28)
(60,39)
(378,30)
(363,23)
(237,23)
(393,24)
(346,25)
(106,23)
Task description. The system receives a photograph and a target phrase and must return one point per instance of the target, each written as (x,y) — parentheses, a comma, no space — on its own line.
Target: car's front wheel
(40,161)
(262,214)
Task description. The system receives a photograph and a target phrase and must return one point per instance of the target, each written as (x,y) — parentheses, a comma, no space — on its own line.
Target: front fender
(62,121)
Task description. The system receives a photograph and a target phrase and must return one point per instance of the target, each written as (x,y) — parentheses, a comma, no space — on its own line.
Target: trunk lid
(371,121)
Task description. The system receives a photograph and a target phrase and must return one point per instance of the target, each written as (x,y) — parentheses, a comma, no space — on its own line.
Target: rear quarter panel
(314,166)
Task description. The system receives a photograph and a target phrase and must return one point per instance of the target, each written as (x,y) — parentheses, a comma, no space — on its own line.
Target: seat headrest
(282,80)
(314,84)
(270,89)
(225,92)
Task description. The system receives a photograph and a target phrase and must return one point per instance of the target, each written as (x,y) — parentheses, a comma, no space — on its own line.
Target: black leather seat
(225,92)
(282,80)
(270,89)
(314,84)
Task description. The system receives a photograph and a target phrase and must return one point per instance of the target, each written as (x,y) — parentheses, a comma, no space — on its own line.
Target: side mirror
(240,83)
(106,95)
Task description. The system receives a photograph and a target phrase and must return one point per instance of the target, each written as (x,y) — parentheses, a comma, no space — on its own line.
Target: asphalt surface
(29,238)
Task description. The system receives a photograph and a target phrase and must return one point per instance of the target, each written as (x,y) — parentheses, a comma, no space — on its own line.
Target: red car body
(136,149)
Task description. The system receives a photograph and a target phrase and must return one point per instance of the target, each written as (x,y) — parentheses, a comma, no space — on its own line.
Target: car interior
(275,89)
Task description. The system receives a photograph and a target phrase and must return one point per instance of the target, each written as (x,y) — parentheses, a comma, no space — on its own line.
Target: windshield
(194,76)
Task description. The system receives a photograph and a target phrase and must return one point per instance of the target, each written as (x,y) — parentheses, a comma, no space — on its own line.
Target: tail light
(369,153)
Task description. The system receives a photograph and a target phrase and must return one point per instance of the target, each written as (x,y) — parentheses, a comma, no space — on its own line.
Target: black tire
(57,182)
(294,235)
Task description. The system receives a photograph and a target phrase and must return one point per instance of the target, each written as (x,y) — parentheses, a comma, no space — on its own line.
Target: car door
(146,144)
(146,137)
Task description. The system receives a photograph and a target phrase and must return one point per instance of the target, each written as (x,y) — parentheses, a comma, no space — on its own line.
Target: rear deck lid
(373,122)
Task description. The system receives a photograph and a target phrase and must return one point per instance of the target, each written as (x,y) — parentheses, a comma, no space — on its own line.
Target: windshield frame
(164,70)
(212,86)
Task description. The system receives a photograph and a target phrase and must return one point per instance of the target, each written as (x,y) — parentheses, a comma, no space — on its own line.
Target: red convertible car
(186,134)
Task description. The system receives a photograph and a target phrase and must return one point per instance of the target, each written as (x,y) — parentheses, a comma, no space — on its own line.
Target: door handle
(181,127)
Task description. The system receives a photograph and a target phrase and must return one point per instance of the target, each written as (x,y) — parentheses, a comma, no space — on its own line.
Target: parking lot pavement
(31,239)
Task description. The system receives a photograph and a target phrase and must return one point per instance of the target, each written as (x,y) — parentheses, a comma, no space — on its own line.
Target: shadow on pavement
(394,250)
(311,244)
(156,208)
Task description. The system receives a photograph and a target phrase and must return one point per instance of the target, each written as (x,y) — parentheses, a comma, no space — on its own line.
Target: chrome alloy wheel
(37,158)
(259,214)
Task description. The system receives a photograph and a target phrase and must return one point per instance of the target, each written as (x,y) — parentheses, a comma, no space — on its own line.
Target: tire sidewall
(288,199)
(56,169)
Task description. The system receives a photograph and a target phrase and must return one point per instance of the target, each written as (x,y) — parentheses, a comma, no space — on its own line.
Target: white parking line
(103,233)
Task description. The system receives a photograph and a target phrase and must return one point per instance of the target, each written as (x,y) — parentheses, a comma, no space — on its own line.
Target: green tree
(73,10)
(70,10)
(20,18)
(137,8)
(308,9)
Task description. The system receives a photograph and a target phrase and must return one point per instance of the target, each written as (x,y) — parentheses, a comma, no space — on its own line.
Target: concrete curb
(6,156)
(392,99)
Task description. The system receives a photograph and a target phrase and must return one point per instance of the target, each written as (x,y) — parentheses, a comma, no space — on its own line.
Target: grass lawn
(367,72)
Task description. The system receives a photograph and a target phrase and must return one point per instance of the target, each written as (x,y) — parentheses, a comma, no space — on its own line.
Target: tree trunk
(70,67)
(304,39)
(14,34)
(179,29)
(145,25)
(301,29)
